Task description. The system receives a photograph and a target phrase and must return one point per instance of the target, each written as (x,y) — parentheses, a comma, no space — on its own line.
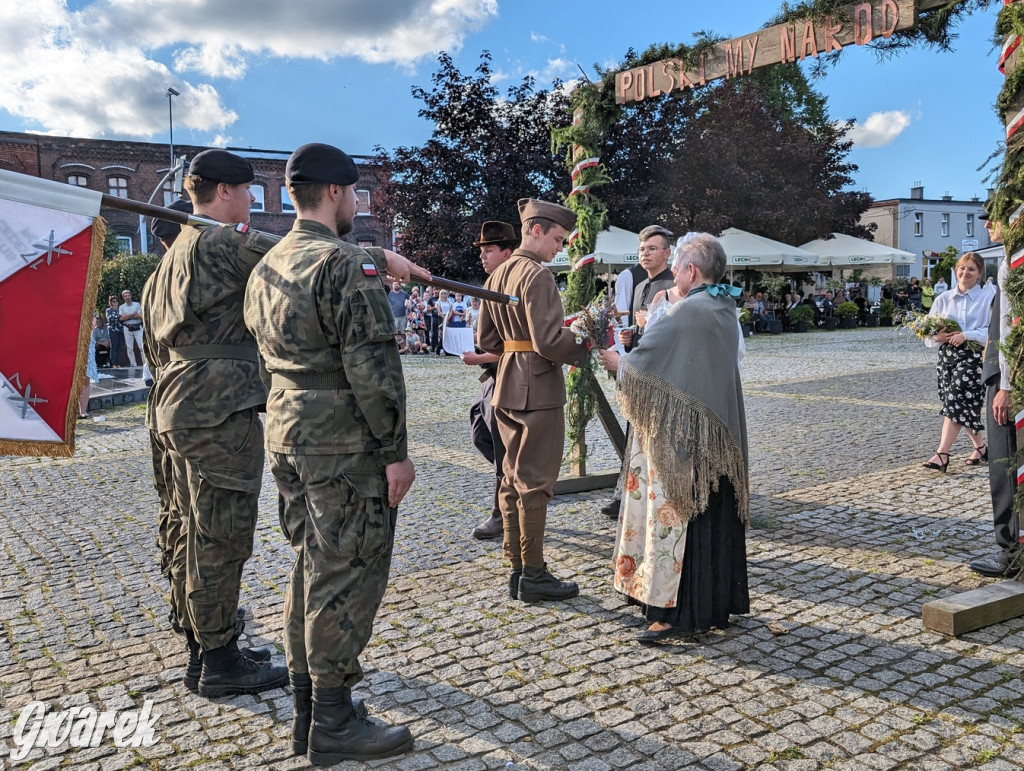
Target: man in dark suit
(1002,433)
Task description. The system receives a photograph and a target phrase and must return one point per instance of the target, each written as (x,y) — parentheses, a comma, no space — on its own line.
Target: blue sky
(272,75)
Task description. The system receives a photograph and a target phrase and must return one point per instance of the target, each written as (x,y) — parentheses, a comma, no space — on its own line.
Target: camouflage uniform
(168,515)
(205,404)
(335,419)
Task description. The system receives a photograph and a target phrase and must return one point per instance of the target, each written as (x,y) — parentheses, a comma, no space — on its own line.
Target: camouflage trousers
(217,472)
(168,515)
(334,512)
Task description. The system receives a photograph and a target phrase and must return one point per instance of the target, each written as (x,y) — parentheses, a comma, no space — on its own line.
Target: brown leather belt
(518,346)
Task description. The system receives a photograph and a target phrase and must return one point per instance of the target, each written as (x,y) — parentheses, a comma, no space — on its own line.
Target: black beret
(222,166)
(164,229)
(317,162)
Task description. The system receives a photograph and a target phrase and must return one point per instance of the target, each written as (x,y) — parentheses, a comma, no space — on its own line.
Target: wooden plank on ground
(585,484)
(975,609)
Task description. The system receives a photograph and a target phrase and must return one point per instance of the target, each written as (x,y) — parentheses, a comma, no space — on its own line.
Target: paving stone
(849,539)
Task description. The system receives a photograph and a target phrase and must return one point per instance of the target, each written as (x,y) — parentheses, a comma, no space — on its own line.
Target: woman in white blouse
(960,360)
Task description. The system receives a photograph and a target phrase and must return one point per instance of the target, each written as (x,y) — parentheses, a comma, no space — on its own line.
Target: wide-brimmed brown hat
(531,208)
(494,232)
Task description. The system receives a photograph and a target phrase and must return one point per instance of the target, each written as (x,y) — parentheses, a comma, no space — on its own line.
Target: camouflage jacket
(196,300)
(317,305)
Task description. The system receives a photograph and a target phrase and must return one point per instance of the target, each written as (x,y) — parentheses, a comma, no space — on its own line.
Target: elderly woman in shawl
(680,551)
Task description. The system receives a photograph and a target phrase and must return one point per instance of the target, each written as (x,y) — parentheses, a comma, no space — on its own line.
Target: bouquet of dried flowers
(924,325)
(595,323)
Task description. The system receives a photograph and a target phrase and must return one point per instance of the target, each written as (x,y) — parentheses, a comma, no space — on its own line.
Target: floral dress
(651,540)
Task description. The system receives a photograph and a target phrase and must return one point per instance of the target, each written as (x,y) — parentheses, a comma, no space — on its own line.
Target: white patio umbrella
(843,251)
(748,250)
(615,247)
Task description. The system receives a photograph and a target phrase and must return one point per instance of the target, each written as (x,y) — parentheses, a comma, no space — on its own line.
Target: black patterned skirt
(960,387)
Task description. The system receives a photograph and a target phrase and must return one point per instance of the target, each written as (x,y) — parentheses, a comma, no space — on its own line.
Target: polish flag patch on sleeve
(241,227)
(369,269)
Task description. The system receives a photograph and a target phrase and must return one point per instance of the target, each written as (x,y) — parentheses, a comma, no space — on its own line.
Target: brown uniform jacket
(530,380)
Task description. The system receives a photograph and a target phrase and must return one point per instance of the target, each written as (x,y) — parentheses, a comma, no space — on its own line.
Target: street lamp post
(170,117)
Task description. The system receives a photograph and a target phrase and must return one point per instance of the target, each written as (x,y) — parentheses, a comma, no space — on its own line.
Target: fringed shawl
(680,390)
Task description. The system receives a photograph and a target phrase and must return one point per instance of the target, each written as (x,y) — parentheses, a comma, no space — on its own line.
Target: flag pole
(183,218)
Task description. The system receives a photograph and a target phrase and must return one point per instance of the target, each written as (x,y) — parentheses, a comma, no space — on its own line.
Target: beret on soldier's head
(322,163)
(222,166)
(164,229)
(531,208)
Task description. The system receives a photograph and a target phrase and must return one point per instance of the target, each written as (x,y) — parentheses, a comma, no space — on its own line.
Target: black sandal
(938,466)
(977,461)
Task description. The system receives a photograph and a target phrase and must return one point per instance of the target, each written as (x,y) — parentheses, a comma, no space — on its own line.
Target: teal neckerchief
(716,289)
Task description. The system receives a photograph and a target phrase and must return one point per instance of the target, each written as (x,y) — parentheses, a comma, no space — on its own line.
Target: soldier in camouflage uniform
(205,402)
(336,437)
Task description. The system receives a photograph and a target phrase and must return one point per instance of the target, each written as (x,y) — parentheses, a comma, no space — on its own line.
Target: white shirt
(969,309)
(624,291)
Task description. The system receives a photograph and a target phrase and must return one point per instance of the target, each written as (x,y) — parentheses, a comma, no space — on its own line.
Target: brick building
(134,170)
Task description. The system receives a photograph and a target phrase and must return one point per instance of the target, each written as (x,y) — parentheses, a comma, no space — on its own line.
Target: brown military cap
(222,166)
(531,208)
(494,232)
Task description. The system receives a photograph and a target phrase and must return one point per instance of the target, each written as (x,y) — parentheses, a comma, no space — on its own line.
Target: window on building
(168,193)
(970,226)
(944,227)
(902,271)
(259,194)
(918,223)
(124,243)
(362,203)
(77,180)
(119,186)
(286,203)
(364,242)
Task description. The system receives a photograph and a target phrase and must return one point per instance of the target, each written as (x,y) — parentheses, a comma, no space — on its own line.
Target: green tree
(111,246)
(758,153)
(487,150)
(126,271)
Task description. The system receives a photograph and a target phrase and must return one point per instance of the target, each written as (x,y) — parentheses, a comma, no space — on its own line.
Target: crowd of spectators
(422,315)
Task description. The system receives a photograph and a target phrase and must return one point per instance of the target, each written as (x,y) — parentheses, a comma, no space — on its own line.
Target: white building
(927,226)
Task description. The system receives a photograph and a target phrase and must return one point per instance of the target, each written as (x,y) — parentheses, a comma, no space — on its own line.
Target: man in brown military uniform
(336,437)
(529,392)
(205,402)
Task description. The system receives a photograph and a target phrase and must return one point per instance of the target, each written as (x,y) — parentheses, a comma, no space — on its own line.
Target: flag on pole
(51,250)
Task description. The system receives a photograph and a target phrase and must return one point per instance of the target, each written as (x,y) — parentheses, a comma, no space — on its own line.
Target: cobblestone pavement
(850,536)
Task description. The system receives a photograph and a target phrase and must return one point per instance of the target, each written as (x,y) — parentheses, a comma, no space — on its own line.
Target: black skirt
(960,388)
(713,583)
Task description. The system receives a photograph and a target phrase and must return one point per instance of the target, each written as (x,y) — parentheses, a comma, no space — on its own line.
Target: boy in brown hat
(529,393)
(497,240)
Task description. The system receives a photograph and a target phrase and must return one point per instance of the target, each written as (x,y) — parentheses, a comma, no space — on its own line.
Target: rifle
(183,218)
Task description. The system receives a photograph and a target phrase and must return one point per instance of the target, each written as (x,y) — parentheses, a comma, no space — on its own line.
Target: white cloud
(879,129)
(536,37)
(104,69)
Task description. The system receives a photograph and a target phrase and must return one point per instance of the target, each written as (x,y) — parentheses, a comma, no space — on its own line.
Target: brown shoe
(491,527)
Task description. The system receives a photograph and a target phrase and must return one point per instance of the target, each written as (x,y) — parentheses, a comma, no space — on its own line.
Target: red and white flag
(51,250)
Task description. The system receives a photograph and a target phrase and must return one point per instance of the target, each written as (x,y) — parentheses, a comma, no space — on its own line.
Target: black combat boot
(338,732)
(491,527)
(227,672)
(537,585)
(302,710)
(513,583)
(195,662)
